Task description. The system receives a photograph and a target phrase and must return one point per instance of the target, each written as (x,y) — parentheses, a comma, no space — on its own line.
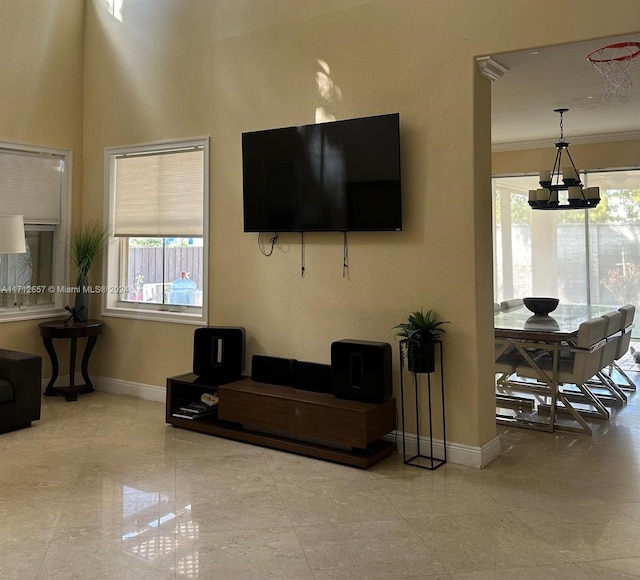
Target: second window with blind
(157,209)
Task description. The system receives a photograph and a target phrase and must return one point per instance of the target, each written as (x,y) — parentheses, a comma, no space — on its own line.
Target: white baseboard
(457,453)
(117,387)
(140,390)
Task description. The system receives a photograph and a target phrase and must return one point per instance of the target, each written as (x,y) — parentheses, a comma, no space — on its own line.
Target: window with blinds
(158,210)
(34,183)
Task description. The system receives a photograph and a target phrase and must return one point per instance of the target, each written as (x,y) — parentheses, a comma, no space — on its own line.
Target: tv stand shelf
(308,423)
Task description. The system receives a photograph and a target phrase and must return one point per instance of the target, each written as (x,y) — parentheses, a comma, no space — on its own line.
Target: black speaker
(361,370)
(218,352)
(272,370)
(310,376)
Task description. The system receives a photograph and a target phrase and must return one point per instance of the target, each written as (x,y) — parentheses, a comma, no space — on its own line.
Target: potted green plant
(85,245)
(420,333)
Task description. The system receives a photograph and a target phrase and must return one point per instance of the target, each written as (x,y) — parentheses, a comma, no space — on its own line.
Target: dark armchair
(20,389)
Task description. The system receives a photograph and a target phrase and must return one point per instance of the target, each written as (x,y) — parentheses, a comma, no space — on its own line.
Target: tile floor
(103,489)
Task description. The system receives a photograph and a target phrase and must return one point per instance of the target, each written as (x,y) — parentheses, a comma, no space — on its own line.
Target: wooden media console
(308,423)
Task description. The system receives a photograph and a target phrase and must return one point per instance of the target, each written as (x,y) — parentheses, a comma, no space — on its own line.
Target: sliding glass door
(580,256)
(614,238)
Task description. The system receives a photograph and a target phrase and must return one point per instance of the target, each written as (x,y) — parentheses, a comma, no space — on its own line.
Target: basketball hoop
(614,62)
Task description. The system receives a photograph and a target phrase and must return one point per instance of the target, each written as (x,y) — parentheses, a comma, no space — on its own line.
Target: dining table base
(542,403)
(553,401)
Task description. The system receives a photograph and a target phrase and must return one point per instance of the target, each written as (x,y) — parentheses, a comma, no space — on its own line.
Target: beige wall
(172,70)
(41,69)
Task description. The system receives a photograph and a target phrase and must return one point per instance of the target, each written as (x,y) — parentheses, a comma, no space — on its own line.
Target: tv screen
(336,176)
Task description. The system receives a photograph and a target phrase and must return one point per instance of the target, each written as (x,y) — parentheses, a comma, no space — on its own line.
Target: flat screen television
(336,176)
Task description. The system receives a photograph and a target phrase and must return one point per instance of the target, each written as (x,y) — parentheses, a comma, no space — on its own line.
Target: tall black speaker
(361,370)
(218,352)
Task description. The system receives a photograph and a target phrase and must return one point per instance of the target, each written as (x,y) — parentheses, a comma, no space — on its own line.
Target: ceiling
(543,79)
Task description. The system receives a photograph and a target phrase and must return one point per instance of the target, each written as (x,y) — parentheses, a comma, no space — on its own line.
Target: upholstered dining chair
(507,359)
(578,364)
(628,312)
(601,380)
(509,393)
(20,389)
(512,303)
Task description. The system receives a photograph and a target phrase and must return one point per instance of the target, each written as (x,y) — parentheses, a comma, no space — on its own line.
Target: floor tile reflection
(129,497)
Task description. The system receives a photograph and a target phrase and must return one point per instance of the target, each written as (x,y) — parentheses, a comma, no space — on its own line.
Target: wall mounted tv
(336,176)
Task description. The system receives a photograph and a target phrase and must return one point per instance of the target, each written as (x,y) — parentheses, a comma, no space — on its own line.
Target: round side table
(57,329)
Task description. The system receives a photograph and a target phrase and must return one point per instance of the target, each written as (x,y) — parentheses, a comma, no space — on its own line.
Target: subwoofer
(361,370)
(218,352)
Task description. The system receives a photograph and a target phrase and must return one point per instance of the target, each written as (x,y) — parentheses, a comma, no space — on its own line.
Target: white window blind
(159,194)
(31,185)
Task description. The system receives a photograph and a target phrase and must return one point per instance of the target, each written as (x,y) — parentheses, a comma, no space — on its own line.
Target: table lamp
(12,239)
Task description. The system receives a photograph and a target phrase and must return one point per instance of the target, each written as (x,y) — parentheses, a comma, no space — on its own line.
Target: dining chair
(579,363)
(602,380)
(507,359)
(512,303)
(511,391)
(496,307)
(628,312)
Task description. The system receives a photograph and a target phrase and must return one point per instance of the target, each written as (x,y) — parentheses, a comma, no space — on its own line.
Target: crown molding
(582,140)
(490,69)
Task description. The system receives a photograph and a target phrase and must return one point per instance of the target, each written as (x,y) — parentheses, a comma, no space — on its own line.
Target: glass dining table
(561,325)
(524,334)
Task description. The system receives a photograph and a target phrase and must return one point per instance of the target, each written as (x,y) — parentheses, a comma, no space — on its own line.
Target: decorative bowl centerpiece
(541,306)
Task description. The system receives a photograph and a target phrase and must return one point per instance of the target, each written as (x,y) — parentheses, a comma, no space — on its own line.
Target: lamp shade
(12,240)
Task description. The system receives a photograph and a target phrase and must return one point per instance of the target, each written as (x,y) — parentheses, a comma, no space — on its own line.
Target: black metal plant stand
(418,460)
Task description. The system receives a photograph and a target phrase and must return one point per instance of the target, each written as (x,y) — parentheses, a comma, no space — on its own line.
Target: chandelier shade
(563,177)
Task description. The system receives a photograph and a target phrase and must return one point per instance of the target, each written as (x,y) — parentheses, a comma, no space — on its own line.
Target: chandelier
(563,178)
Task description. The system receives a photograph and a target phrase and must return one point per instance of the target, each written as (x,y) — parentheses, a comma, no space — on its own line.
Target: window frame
(60,273)
(113,264)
